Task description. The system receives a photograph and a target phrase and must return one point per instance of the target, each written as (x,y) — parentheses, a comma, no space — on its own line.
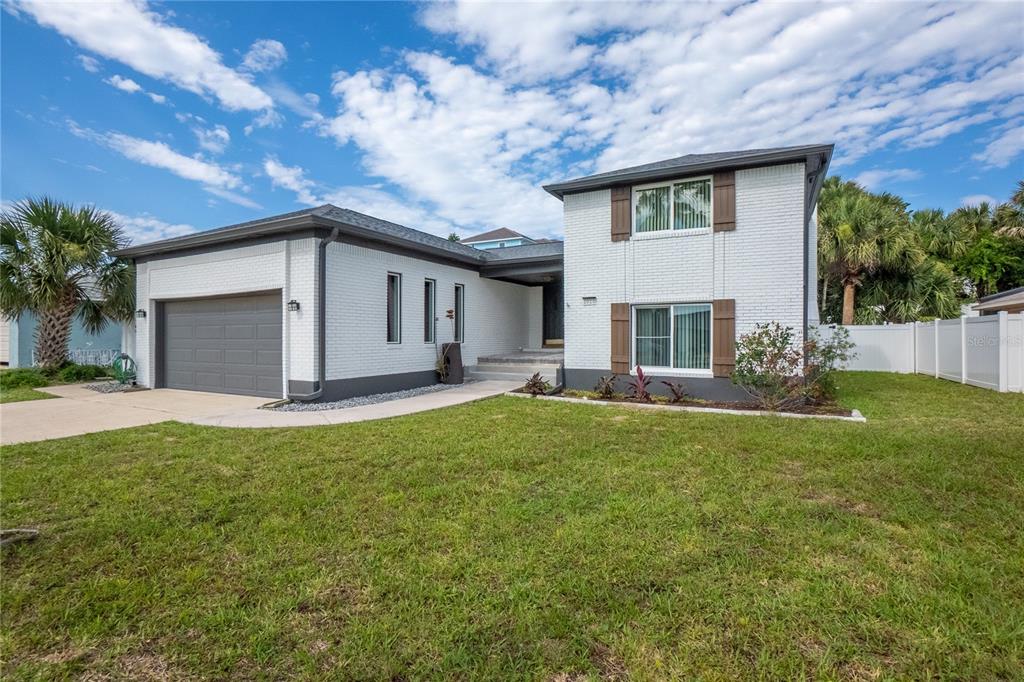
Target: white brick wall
(760,264)
(240,270)
(497,313)
(536,317)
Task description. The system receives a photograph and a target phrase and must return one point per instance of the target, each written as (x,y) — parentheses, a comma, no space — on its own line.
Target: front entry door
(554,303)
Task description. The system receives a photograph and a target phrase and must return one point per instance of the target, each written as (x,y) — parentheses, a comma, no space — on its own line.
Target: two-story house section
(668,263)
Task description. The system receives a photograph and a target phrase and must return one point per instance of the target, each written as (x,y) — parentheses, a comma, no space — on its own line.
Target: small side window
(394,308)
(429,323)
(460,322)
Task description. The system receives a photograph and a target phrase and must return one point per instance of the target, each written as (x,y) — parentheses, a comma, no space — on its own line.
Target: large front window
(683,205)
(673,336)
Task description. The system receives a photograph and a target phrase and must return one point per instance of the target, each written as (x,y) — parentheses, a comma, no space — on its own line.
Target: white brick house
(697,251)
(327,303)
(664,265)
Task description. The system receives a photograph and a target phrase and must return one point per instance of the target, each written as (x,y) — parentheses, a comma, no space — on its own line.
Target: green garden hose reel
(124,369)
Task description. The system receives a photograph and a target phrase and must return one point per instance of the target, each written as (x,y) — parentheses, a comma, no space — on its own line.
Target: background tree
(1009,217)
(947,259)
(454,237)
(859,234)
(55,262)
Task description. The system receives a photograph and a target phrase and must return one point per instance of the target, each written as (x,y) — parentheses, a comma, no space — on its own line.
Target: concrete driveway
(79,410)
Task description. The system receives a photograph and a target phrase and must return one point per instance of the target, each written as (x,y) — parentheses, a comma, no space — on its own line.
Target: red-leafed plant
(638,387)
(606,386)
(678,391)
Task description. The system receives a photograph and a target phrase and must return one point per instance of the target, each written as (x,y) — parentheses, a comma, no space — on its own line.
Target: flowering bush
(768,367)
(778,375)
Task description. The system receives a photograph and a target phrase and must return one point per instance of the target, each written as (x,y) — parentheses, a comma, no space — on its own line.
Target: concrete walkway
(80,411)
(392,408)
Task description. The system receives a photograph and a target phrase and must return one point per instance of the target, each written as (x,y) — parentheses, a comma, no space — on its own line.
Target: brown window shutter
(622,213)
(723,352)
(620,338)
(725,201)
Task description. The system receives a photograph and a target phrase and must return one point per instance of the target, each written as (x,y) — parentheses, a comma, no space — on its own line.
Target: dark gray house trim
(705,388)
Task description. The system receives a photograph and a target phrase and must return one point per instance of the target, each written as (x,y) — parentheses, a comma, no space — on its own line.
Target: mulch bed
(833,410)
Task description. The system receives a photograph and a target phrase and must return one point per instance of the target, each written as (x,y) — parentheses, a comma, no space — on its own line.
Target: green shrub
(73,373)
(23,377)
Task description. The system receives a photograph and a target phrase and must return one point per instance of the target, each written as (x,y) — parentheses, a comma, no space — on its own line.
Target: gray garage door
(224,345)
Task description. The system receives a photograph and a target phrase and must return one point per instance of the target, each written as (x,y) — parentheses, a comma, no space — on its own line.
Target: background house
(17,340)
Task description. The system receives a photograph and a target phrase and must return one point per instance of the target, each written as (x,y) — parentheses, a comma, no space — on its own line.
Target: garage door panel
(240,382)
(209,331)
(268,357)
(240,331)
(269,331)
(230,345)
(240,357)
(213,356)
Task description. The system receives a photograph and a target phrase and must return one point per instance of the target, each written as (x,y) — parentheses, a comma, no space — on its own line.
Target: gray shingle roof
(549,249)
(349,222)
(500,233)
(688,163)
(394,230)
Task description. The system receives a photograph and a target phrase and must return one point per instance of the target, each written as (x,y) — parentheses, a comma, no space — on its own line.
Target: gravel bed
(109,387)
(365,399)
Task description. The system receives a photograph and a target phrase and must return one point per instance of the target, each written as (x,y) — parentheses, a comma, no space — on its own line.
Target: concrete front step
(514,372)
(524,357)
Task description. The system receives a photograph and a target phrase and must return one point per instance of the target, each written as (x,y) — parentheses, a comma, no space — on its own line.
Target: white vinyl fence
(986,351)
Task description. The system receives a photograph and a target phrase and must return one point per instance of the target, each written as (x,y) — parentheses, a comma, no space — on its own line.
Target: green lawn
(529,539)
(22,393)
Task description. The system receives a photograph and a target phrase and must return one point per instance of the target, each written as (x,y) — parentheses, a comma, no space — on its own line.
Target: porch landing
(527,356)
(520,365)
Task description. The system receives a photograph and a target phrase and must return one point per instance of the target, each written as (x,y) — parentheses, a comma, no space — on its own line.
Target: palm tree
(860,233)
(1009,217)
(55,262)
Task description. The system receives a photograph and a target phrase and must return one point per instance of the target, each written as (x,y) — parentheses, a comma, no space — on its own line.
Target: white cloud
(122,83)
(264,55)
(450,136)
(88,63)
(213,177)
(976,199)
(876,177)
(132,33)
(214,140)
(233,197)
(267,119)
(369,200)
(128,85)
(635,83)
(145,228)
(292,178)
(1007,145)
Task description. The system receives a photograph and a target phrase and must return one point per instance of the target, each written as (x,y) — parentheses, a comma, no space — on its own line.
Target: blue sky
(185,116)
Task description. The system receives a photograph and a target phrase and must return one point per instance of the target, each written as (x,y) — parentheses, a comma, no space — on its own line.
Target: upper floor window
(394,308)
(682,205)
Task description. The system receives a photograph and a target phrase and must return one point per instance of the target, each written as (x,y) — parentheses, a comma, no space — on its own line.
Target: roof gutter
(321,322)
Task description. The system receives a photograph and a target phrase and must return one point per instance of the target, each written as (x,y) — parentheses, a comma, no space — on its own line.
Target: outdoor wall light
(293,305)
(140,313)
